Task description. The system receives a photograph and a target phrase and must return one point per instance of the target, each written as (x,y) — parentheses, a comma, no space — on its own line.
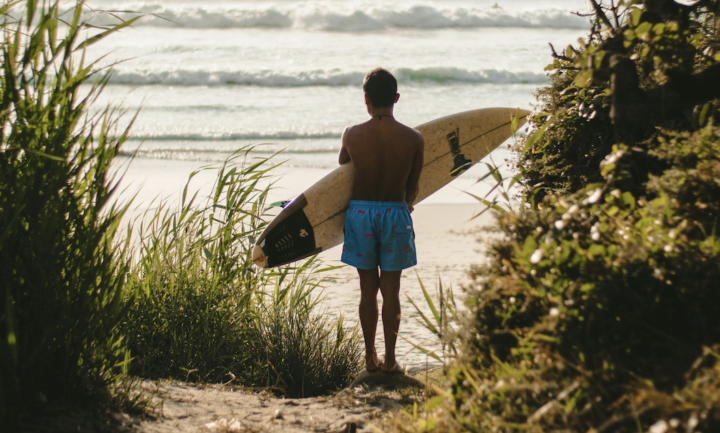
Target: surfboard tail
(258,257)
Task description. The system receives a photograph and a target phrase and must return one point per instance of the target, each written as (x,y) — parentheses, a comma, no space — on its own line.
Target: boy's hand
(411,208)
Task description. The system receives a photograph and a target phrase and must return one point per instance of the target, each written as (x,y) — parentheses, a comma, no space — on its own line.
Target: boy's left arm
(344,156)
(411,189)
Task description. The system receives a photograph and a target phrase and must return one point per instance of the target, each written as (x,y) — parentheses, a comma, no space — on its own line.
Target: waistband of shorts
(378,204)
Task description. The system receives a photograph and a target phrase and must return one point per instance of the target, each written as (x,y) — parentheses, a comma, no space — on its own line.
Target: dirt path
(189,408)
(182,407)
(223,408)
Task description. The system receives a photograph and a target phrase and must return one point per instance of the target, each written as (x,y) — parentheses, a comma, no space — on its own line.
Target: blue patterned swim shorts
(379,233)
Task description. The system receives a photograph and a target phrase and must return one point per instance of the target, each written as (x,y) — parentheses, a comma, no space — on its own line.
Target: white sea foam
(451,74)
(325,157)
(430,75)
(250,136)
(337,18)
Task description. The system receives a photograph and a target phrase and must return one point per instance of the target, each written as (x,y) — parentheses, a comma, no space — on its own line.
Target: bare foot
(395,369)
(372,362)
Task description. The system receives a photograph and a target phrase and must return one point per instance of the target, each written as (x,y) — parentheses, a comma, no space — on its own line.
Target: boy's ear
(397,96)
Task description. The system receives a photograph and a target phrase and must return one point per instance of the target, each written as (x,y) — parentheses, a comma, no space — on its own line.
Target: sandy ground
(186,408)
(218,409)
(189,408)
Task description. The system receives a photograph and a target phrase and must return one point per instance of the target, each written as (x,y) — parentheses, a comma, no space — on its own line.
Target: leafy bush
(599,310)
(595,298)
(61,271)
(691,178)
(576,134)
(203,310)
(593,102)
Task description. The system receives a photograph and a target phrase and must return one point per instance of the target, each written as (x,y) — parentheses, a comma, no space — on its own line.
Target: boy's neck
(382,112)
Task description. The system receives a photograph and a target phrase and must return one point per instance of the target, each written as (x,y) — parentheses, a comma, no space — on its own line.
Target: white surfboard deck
(314,220)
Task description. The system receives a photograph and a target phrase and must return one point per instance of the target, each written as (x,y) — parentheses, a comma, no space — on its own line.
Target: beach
(209,78)
(139,179)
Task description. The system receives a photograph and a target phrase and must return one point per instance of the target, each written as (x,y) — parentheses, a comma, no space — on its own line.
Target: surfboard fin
(461,164)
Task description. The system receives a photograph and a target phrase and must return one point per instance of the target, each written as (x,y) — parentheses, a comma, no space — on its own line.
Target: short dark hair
(381,87)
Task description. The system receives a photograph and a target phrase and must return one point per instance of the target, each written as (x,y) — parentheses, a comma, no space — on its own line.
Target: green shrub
(599,310)
(203,310)
(302,352)
(577,134)
(665,44)
(608,297)
(61,270)
(691,180)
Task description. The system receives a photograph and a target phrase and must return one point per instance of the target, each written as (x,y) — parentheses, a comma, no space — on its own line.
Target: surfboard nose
(258,257)
(522,117)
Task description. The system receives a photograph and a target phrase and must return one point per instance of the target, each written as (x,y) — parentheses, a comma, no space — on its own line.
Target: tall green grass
(79,305)
(440,321)
(61,273)
(305,354)
(204,312)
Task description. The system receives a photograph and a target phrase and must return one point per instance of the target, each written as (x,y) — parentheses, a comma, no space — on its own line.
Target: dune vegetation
(84,309)
(203,312)
(599,309)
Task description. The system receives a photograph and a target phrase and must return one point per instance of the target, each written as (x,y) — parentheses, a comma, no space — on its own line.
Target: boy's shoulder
(414,135)
(359,127)
(354,130)
(358,131)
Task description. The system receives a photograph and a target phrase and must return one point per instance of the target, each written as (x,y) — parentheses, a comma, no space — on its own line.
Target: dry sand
(189,408)
(219,408)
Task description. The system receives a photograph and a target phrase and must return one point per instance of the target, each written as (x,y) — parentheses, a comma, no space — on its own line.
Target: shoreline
(149,179)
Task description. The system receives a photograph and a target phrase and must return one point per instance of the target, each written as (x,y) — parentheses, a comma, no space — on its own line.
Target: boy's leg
(369,283)
(390,288)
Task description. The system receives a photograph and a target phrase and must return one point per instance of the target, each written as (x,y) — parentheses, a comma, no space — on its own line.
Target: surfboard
(313,221)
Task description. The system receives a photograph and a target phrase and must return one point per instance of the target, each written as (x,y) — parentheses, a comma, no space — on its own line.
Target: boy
(387,157)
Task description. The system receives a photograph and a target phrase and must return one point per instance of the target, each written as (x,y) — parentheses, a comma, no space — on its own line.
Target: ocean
(212,76)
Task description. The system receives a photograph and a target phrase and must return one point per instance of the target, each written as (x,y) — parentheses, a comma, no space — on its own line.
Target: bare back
(388,158)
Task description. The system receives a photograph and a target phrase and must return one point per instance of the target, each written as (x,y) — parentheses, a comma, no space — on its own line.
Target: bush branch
(601,14)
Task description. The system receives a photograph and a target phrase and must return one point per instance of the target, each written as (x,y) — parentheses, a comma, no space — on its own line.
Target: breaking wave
(288,135)
(325,17)
(294,156)
(437,75)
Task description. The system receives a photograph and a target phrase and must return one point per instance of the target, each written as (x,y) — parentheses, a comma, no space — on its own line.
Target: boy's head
(381,87)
